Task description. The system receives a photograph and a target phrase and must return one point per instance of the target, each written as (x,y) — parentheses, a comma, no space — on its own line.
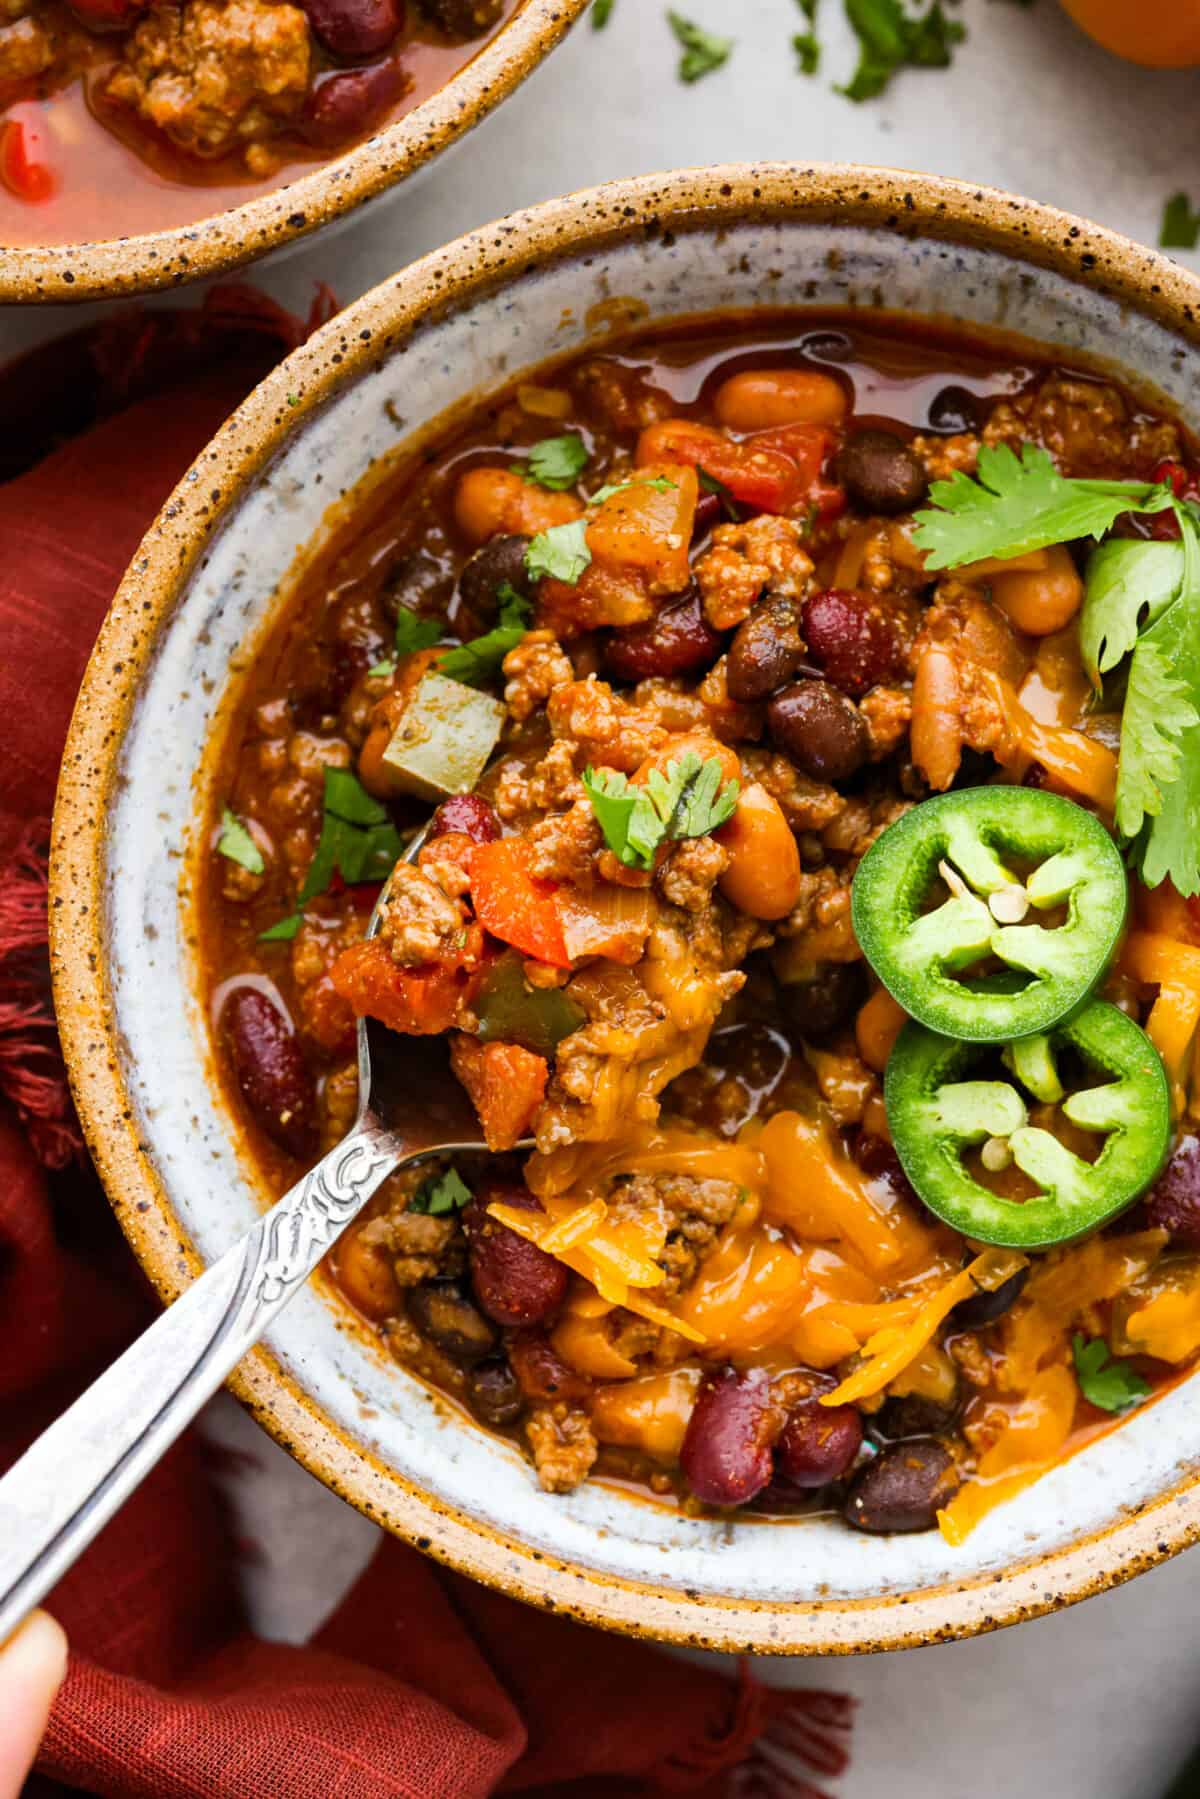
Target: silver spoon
(67,1486)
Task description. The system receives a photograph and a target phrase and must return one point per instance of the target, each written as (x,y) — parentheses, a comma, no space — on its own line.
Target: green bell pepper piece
(511,1011)
(934,1113)
(969,839)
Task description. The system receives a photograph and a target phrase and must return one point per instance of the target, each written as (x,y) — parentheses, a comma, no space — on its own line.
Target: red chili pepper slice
(23,169)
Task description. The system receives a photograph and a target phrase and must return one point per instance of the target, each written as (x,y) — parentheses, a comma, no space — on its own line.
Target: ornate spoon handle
(67,1486)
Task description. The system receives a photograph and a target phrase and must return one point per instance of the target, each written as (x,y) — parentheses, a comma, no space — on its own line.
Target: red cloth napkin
(422,1685)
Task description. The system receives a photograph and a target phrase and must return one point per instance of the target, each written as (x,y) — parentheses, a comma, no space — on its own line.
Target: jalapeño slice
(936,1112)
(979,965)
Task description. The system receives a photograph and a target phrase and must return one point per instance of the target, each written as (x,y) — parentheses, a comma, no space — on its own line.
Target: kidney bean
(108,15)
(880,473)
(913,1415)
(821,730)
(347,104)
(493,1393)
(709,512)
(984,1307)
(515,1282)
(818,1443)
(496,564)
(1173,1202)
(443,1313)
(815,1009)
(954,410)
(903,1487)
(677,640)
(416,582)
(273,1076)
(766,651)
(852,639)
(468,813)
(355,28)
(463,18)
(726,1453)
(541,1372)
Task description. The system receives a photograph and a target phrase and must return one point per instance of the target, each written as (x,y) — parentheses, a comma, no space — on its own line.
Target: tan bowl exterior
(921,206)
(115,267)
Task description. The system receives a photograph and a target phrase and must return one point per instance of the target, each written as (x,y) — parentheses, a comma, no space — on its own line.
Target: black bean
(443,1313)
(953,411)
(913,1415)
(416,582)
(903,1487)
(766,651)
(496,564)
(493,1392)
(816,1009)
(880,473)
(820,729)
(463,18)
(984,1308)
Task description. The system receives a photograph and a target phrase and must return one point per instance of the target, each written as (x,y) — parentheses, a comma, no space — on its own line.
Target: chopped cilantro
(561,552)
(1017,504)
(479,660)
(656,484)
(1104,1382)
(1180,227)
(688,801)
(236,842)
(284,931)
(358,839)
(805,43)
(710,484)
(414,632)
(440,1194)
(557,462)
(601,13)
(703,51)
(889,39)
(386,667)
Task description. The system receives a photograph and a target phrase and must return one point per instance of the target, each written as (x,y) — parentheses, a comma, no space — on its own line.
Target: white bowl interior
(160,1023)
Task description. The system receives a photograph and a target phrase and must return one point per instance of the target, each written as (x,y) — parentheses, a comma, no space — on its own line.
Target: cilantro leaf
(386,667)
(710,484)
(656,484)
(805,43)
(1103,1381)
(284,931)
(601,13)
(1158,774)
(358,839)
(440,1194)
(479,660)
(1156,713)
(557,462)
(414,632)
(888,39)
(703,51)
(1128,584)
(687,801)
(561,552)
(1017,504)
(236,842)
(1180,227)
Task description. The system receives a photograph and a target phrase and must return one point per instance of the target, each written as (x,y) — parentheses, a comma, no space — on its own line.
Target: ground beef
(564,1449)
(213,74)
(26,48)
(621,398)
(419,1243)
(823,905)
(885,712)
(419,922)
(408,1345)
(693,1210)
(1086,426)
(533,670)
(564,845)
(690,872)
(608,730)
(339,1104)
(321,1013)
(806,804)
(747,559)
(944,456)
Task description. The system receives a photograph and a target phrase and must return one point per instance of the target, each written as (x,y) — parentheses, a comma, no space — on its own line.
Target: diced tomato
(506,1085)
(23,166)
(772,471)
(420,1002)
(515,905)
(810,447)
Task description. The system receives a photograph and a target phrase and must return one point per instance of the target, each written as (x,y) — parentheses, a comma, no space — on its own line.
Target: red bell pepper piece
(513,904)
(420,1002)
(771,471)
(23,169)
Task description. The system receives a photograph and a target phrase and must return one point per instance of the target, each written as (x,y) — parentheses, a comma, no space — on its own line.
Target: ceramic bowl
(185,624)
(110,268)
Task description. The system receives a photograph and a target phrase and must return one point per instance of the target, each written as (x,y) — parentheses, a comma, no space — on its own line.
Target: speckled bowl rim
(644,208)
(112,268)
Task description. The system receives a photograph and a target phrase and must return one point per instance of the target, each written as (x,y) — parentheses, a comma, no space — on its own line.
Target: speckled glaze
(187,620)
(113,267)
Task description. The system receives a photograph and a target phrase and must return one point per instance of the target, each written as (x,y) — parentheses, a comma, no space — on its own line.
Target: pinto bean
(816,1009)
(498,563)
(355,28)
(677,640)
(463,18)
(726,1453)
(1041,603)
(349,103)
(984,1307)
(443,1313)
(763,875)
(852,639)
(766,651)
(468,813)
(818,1443)
(758,399)
(366,1275)
(1173,1202)
(271,1071)
(936,734)
(819,729)
(903,1487)
(494,1394)
(515,1282)
(880,473)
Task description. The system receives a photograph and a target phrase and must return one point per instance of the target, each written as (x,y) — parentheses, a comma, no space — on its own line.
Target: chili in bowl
(801,902)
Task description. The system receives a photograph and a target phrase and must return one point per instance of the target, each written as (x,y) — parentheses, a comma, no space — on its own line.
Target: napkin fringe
(33,1078)
(771,1743)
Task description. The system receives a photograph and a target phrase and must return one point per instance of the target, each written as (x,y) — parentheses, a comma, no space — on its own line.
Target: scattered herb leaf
(889,39)
(561,552)
(1103,1381)
(703,51)
(557,462)
(479,660)
(358,839)
(236,842)
(1180,227)
(1129,583)
(386,667)
(656,484)
(710,484)
(284,931)
(687,801)
(414,632)
(440,1194)
(805,43)
(602,13)
(1017,504)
